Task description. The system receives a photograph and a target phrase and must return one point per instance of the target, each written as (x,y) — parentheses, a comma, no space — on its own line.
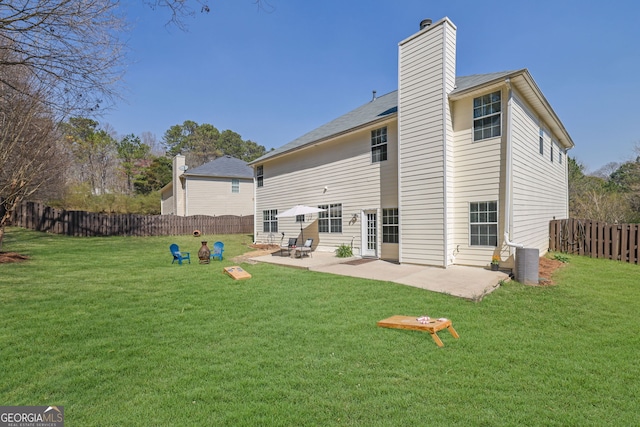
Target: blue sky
(273,76)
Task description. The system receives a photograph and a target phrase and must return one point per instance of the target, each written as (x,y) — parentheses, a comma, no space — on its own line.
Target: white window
(483,223)
(300,218)
(235,185)
(330,221)
(559,156)
(260,175)
(269,221)
(551,145)
(486,116)
(379,145)
(541,142)
(390,226)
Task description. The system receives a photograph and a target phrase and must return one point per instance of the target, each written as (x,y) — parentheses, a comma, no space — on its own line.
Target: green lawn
(111,330)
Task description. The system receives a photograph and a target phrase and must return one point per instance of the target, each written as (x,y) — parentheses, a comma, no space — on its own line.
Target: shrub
(344,251)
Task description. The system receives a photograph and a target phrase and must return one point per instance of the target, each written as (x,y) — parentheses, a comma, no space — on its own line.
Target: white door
(369,234)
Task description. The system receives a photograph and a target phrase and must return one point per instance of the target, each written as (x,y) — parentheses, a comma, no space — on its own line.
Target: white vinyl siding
(539,185)
(215,196)
(477,170)
(336,171)
(427,67)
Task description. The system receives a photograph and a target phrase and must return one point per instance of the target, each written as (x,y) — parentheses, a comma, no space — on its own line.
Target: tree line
(61,62)
(610,194)
(138,165)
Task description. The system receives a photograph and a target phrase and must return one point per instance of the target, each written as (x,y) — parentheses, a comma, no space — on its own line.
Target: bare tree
(30,158)
(72,46)
(181,9)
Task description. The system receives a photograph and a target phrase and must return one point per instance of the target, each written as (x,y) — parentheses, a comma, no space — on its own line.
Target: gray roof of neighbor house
(386,105)
(225,166)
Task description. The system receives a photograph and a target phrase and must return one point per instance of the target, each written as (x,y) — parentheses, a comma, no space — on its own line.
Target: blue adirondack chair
(218,249)
(179,256)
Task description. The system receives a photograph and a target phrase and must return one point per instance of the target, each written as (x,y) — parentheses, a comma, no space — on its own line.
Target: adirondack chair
(218,249)
(179,256)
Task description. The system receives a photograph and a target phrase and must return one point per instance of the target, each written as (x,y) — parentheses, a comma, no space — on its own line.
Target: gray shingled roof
(468,82)
(225,166)
(377,109)
(370,112)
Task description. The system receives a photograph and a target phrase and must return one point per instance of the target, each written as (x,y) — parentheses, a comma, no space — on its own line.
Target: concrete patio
(471,283)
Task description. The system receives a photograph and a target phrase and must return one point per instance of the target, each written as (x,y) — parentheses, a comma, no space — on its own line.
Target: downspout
(255,206)
(507,190)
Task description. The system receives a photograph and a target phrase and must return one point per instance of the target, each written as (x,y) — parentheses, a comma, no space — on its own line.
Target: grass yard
(112,331)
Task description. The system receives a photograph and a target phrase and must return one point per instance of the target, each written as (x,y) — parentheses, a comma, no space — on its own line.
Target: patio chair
(306,248)
(179,256)
(293,241)
(218,249)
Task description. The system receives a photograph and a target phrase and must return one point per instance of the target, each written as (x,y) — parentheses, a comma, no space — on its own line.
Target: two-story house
(223,186)
(445,170)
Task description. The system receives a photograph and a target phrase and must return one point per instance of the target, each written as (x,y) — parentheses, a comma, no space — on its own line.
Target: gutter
(507,191)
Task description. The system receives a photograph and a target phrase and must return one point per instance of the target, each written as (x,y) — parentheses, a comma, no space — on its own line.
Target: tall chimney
(425,23)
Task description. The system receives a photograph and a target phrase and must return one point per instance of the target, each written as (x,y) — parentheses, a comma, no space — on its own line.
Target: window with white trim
(390,226)
(270,221)
(541,142)
(379,145)
(330,221)
(260,175)
(483,223)
(486,116)
(551,145)
(300,218)
(235,185)
(559,156)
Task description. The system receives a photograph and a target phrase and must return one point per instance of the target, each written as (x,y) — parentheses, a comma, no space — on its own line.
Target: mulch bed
(8,257)
(546,269)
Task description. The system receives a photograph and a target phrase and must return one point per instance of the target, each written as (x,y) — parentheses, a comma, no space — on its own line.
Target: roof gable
(225,166)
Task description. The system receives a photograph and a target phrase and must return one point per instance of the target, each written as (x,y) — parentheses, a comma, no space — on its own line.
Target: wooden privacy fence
(36,216)
(596,239)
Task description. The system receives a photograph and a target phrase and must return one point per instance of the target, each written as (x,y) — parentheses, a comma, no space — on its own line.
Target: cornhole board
(237,273)
(432,326)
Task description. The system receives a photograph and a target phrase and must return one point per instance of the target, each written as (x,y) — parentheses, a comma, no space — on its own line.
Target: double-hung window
(235,185)
(390,227)
(260,175)
(330,221)
(269,221)
(486,116)
(379,145)
(483,223)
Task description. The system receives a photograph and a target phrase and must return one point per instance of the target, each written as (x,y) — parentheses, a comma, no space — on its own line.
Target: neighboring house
(446,170)
(221,187)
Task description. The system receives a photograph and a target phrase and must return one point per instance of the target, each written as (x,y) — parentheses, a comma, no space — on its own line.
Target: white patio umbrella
(299,210)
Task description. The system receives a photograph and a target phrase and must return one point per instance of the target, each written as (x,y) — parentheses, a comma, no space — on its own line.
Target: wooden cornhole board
(237,273)
(432,326)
